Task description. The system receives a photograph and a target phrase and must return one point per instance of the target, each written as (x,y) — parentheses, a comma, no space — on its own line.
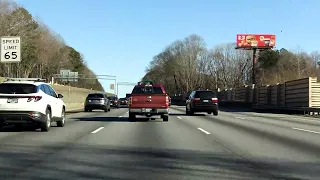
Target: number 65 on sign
(10,49)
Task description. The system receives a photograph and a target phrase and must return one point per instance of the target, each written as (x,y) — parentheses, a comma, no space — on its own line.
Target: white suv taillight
(34,98)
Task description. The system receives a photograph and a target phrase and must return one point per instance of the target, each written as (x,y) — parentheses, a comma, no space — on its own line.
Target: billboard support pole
(115,88)
(254,60)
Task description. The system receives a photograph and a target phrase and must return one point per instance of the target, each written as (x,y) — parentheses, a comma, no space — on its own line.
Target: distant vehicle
(128,95)
(149,99)
(30,101)
(122,102)
(97,101)
(202,101)
(113,101)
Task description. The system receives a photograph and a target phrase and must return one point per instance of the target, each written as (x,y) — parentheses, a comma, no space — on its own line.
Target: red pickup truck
(149,99)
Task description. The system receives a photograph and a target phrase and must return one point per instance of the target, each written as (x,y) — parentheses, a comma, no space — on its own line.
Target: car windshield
(122,99)
(95,96)
(147,90)
(10,88)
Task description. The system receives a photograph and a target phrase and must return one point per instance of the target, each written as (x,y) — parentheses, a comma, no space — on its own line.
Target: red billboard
(256,40)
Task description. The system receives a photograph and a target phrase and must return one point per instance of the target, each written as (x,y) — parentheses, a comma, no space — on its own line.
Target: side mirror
(60,96)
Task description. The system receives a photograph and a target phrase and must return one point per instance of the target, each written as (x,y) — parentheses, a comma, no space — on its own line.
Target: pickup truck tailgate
(149,101)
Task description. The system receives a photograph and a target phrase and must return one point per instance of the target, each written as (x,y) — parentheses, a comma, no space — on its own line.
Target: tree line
(188,64)
(43,51)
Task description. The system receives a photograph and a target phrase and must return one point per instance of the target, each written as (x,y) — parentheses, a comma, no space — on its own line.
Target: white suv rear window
(11,88)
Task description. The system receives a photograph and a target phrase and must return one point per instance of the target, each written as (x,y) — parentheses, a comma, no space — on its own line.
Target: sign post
(10,49)
(111,86)
(255,42)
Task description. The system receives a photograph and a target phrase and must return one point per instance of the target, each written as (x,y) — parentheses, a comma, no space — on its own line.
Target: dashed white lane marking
(120,116)
(206,132)
(97,130)
(306,130)
(179,117)
(239,117)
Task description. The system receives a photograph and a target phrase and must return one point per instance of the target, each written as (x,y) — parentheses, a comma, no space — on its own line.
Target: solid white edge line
(237,117)
(306,130)
(206,132)
(97,130)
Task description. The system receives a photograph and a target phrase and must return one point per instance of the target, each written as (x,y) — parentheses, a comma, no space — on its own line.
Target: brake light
(167,101)
(196,100)
(214,100)
(34,98)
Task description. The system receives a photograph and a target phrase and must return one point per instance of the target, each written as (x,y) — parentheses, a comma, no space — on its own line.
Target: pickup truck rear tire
(132,117)
(165,117)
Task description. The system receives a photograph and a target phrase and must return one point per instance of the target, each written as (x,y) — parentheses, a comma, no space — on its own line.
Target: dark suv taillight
(214,100)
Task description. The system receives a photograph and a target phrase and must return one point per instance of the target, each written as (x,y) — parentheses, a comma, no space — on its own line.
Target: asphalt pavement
(100,145)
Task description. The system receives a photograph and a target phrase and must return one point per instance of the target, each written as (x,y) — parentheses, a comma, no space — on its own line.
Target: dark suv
(202,101)
(97,101)
(123,102)
(113,101)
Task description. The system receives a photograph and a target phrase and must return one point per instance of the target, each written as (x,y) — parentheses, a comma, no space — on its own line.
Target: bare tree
(187,64)
(43,50)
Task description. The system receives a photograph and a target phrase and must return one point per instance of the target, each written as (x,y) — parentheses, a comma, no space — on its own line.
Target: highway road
(99,145)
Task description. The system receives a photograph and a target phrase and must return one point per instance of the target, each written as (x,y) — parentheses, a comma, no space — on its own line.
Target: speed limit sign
(10,49)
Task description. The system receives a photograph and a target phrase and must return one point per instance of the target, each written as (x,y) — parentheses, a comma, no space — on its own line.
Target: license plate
(205,100)
(148,110)
(12,100)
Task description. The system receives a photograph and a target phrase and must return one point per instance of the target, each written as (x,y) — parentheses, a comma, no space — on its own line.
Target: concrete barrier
(73,97)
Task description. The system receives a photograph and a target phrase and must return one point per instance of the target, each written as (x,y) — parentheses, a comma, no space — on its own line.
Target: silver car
(97,101)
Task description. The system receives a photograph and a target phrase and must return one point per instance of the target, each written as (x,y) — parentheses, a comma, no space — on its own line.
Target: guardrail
(301,94)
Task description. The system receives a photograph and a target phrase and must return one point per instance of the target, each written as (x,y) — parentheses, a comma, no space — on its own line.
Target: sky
(120,37)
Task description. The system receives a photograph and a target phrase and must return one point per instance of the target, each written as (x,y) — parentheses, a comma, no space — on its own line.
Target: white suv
(30,101)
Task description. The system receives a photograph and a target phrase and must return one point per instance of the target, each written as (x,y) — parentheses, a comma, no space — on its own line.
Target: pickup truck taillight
(167,101)
(214,100)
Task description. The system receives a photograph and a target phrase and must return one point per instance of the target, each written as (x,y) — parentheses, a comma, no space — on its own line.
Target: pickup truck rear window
(147,90)
(11,88)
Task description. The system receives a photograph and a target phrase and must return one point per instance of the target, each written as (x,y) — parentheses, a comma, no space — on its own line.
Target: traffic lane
(264,145)
(10,131)
(295,119)
(23,151)
(306,135)
(73,127)
(143,150)
(306,124)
